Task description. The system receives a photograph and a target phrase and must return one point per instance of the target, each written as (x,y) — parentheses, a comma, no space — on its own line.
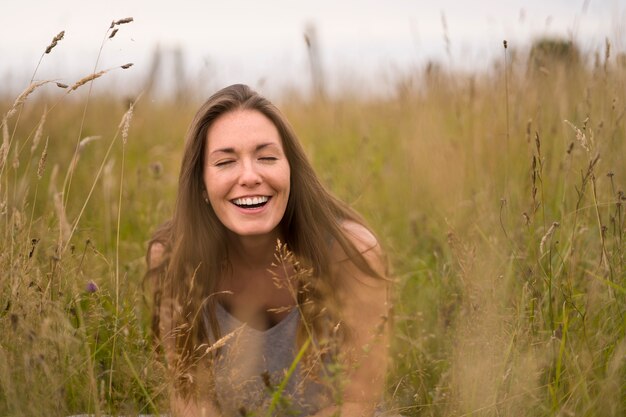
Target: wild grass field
(499,197)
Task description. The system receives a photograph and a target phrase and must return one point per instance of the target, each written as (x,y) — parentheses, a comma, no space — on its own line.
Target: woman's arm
(364,307)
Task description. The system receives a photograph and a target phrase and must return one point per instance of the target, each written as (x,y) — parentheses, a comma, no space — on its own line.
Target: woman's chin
(255,232)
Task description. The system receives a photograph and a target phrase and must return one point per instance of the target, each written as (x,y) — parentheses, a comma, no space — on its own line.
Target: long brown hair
(194,239)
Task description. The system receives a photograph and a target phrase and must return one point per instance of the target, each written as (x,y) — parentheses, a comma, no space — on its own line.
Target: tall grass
(498,195)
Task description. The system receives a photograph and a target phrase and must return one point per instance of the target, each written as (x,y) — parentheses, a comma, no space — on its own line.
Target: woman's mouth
(251,202)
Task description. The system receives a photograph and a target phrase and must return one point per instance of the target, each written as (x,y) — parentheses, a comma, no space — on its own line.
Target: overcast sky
(261,42)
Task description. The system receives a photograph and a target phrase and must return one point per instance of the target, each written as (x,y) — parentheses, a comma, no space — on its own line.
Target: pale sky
(362,42)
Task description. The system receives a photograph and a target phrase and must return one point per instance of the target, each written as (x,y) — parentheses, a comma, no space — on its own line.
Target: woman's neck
(252,251)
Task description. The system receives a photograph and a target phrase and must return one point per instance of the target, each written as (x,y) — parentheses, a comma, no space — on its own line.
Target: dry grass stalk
(125,123)
(585,142)
(86,79)
(113,33)
(64,226)
(547,236)
(39,131)
(55,40)
(16,158)
(85,141)
(22,97)
(222,341)
(42,160)
(4,149)
(124,20)
(126,66)
(120,22)
(52,188)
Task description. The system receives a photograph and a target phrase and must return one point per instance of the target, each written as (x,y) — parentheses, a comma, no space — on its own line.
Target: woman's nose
(249,175)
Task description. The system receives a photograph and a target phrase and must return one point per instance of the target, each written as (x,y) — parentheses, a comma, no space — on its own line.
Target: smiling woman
(246,173)
(270,295)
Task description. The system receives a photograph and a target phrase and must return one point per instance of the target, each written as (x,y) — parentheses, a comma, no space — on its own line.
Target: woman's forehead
(242,129)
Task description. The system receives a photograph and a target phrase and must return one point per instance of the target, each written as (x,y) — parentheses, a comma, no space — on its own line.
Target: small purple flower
(91,287)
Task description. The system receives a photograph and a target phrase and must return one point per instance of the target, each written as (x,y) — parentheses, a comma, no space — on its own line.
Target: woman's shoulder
(160,245)
(156,255)
(360,236)
(364,242)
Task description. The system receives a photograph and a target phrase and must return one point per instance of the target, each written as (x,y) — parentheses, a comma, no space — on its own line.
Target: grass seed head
(547,236)
(85,141)
(125,123)
(122,21)
(126,66)
(86,79)
(581,137)
(113,33)
(42,161)
(55,40)
(23,96)
(39,131)
(4,149)
(65,229)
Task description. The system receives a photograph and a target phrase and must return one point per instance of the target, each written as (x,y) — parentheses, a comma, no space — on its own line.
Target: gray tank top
(252,364)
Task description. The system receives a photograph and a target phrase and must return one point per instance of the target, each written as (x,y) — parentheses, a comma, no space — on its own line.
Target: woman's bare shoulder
(365,243)
(156,255)
(360,236)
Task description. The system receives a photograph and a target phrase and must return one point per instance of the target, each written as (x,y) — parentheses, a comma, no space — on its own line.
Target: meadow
(499,197)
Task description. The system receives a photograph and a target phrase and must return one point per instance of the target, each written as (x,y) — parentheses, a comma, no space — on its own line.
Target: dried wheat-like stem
(223,340)
(55,40)
(4,149)
(446,37)
(42,160)
(16,158)
(39,131)
(506,104)
(126,66)
(125,123)
(68,179)
(585,142)
(22,98)
(85,141)
(113,33)
(547,236)
(64,226)
(81,145)
(122,21)
(86,79)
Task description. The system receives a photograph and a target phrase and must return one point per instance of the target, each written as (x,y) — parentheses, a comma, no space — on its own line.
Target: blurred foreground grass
(500,202)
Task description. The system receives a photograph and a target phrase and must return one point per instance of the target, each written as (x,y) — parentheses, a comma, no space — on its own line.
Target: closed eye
(268,158)
(223,163)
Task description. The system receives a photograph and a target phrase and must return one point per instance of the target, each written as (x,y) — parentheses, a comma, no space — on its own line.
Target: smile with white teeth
(251,202)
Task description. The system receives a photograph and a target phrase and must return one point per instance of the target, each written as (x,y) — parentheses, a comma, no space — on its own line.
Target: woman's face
(246,172)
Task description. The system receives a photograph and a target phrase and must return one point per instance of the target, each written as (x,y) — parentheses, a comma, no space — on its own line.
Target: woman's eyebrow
(257,148)
(265,145)
(223,150)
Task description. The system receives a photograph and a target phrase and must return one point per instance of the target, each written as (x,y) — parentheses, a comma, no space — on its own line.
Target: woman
(270,293)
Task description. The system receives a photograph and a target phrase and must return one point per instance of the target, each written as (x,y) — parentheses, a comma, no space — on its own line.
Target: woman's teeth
(250,201)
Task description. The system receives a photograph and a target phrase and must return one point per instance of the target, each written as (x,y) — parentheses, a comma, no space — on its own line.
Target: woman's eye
(268,158)
(223,163)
